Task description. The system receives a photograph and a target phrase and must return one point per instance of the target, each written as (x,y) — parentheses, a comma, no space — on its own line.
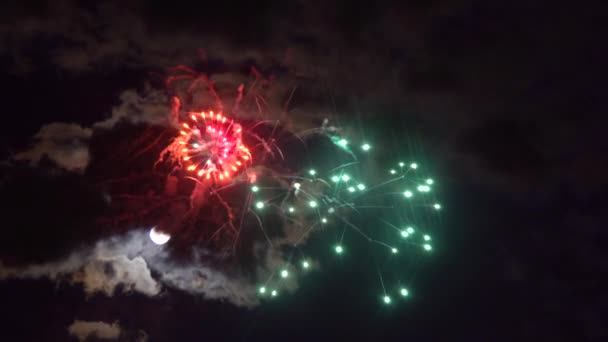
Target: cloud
(211,283)
(83,330)
(67,144)
(129,260)
(196,277)
(148,106)
(104,274)
(98,271)
(64,143)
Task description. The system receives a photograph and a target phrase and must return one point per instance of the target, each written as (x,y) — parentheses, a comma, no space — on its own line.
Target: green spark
(351,189)
(339,249)
(259,205)
(407,194)
(312,172)
(387,299)
(274,293)
(404,292)
(414,166)
(410,230)
(312,204)
(361,187)
(291,209)
(404,234)
(345,177)
(365,147)
(297,185)
(424,188)
(305,264)
(401,164)
(255,188)
(392,171)
(284,274)
(429,181)
(427,247)
(324,220)
(262,290)
(335,179)
(427,238)
(343,142)
(437,206)
(394,250)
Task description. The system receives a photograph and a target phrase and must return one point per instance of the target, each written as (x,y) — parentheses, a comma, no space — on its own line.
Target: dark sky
(504,101)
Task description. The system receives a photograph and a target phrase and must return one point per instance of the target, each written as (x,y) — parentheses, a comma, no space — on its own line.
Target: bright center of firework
(212,146)
(158,237)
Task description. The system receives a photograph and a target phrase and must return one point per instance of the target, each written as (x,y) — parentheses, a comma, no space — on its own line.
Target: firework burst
(212,146)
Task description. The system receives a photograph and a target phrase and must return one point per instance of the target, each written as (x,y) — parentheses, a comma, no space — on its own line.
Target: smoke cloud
(94,330)
(133,263)
(83,330)
(64,143)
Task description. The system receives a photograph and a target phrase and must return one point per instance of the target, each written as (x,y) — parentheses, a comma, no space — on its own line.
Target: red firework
(213,147)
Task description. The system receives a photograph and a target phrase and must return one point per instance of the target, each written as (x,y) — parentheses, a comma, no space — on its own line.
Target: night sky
(503,102)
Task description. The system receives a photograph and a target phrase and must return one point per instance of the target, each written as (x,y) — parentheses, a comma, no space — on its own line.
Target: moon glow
(158,237)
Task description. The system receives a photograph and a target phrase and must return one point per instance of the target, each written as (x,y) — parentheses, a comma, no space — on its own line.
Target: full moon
(159,238)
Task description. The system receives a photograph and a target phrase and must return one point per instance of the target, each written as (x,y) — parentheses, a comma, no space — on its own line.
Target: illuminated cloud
(147,106)
(99,270)
(129,261)
(84,330)
(64,143)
